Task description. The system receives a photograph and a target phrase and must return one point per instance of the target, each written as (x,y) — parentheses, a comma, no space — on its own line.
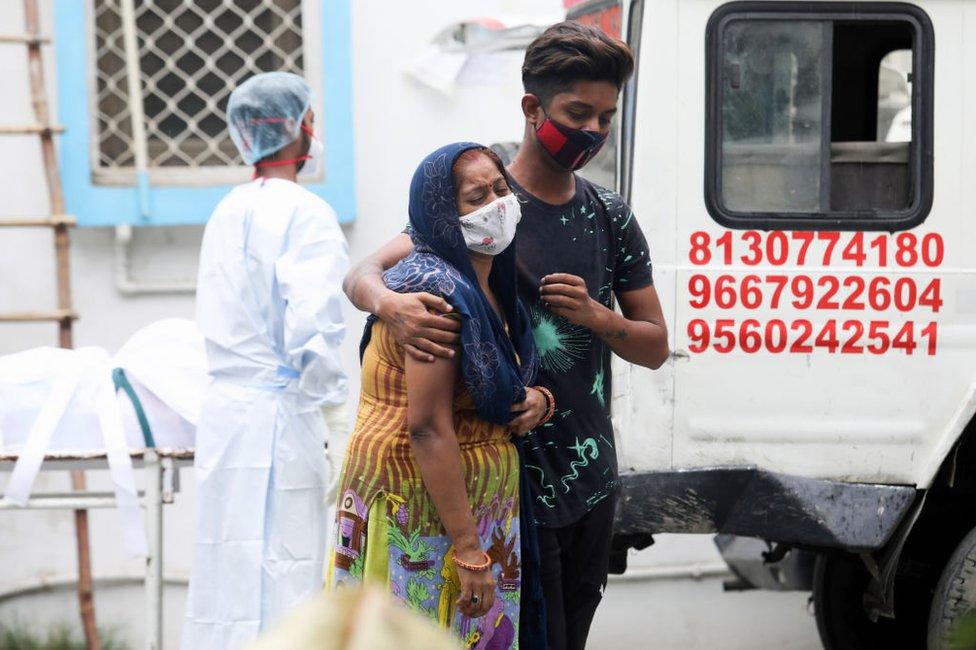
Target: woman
(429,499)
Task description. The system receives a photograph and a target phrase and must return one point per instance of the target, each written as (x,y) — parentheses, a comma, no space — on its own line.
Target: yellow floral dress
(387,530)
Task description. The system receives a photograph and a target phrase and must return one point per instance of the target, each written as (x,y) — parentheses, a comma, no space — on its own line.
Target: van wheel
(955,595)
(839,582)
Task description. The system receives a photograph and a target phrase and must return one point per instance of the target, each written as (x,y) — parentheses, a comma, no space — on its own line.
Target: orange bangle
(472,567)
(552,404)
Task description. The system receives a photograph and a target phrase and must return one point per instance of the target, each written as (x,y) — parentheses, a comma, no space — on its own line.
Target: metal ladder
(64,315)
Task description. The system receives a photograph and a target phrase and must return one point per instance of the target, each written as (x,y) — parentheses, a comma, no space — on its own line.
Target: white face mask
(491,228)
(316,152)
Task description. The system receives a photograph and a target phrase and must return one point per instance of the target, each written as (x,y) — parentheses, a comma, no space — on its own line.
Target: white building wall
(396,122)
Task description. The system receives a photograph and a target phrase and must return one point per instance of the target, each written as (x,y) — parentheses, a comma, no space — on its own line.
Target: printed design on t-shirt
(614,204)
(588,212)
(598,387)
(587,451)
(602,494)
(584,211)
(548,489)
(560,343)
(621,216)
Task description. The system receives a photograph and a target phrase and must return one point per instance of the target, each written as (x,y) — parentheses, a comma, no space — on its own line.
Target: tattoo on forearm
(617,335)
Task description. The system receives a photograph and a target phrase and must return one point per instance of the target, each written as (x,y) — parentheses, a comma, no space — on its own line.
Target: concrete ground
(658,605)
(698,615)
(661,615)
(657,615)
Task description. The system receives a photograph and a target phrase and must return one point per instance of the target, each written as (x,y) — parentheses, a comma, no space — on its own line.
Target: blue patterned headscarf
(440,264)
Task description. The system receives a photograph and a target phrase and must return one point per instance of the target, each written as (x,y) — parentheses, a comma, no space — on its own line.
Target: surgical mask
(491,228)
(313,159)
(570,148)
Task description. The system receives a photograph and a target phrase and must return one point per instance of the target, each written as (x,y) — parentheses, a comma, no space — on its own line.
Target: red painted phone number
(779,248)
(799,336)
(827,292)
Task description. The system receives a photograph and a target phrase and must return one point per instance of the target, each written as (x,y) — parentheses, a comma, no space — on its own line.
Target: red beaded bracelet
(551,404)
(472,567)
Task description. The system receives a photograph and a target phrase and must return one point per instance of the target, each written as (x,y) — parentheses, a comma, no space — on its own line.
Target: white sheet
(64,401)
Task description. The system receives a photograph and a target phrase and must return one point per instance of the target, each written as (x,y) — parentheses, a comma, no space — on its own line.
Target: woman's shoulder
(384,345)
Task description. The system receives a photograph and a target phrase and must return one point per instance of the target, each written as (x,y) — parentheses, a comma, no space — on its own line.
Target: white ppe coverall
(269,307)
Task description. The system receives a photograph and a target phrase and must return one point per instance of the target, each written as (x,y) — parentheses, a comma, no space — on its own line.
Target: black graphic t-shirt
(572,460)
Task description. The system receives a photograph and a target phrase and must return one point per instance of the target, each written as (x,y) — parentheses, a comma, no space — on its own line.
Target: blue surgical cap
(265,113)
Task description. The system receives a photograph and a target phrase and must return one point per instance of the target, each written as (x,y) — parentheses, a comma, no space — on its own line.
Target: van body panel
(833,411)
(751,502)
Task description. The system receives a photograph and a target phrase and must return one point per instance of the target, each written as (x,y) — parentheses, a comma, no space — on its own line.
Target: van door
(811,277)
(643,407)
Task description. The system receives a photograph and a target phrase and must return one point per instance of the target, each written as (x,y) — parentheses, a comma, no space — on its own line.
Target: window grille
(192,54)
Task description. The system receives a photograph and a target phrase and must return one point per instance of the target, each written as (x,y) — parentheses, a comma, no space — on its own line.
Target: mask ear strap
(548,119)
(282,163)
(278,163)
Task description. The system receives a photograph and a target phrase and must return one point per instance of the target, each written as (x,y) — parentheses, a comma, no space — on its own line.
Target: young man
(579,249)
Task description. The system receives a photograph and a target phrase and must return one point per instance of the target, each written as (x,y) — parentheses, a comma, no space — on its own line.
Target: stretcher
(133,412)
(160,470)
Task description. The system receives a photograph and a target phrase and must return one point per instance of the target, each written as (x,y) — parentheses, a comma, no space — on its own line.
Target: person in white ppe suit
(269,306)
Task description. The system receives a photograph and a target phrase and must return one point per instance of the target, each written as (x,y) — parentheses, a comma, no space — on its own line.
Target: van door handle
(679,354)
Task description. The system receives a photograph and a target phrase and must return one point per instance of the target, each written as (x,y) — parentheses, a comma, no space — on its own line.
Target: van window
(772,116)
(895,97)
(810,116)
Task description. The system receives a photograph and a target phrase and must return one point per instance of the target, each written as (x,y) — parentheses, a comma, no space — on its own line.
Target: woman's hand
(477,587)
(532,409)
(418,324)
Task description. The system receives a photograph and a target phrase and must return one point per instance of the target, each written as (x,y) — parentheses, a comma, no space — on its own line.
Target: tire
(955,594)
(839,583)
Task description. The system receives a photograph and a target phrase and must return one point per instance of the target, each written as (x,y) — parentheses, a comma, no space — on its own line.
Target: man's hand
(418,324)
(531,410)
(566,295)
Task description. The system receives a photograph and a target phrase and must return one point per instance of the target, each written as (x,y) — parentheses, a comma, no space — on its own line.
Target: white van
(800,170)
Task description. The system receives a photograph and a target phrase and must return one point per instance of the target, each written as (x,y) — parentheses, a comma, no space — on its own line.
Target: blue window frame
(145,203)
